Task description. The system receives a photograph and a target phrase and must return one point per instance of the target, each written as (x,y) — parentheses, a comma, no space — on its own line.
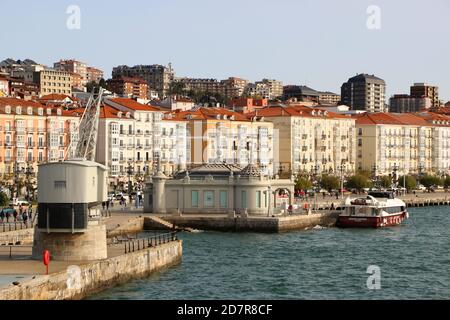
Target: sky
(319,43)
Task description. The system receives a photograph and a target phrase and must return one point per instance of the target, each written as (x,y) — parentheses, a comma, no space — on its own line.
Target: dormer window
(313,113)
(8,109)
(119,114)
(218,117)
(58,112)
(40,111)
(232,117)
(18,110)
(225,117)
(128,115)
(30,111)
(49,111)
(325,113)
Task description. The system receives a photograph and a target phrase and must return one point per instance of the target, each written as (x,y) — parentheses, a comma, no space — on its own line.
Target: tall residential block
(423,90)
(364,92)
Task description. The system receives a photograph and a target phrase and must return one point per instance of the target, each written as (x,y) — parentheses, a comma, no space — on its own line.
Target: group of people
(21,214)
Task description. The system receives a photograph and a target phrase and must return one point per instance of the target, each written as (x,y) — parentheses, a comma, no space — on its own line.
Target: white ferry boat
(378,209)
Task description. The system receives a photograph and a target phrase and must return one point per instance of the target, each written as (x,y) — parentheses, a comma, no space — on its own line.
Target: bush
(358,182)
(330,182)
(4,199)
(447,182)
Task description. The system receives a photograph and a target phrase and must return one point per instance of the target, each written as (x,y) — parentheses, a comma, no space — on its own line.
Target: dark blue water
(414,260)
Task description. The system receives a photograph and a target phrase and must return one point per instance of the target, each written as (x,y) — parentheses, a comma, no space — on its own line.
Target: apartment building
(53,81)
(300,93)
(364,92)
(218,135)
(231,88)
(327,97)
(131,87)
(134,135)
(403,103)
(32,133)
(422,90)
(247,105)
(158,77)
(311,140)
(266,89)
(94,74)
(73,66)
(405,141)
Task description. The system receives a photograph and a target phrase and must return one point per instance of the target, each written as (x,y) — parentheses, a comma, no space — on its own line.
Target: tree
(4,200)
(410,182)
(385,182)
(302,184)
(358,182)
(447,182)
(329,182)
(177,88)
(94,85)
(429,180)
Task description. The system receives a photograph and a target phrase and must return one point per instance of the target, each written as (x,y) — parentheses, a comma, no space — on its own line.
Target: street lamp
(29,173)
(394,175)
(129,172)
(341,168)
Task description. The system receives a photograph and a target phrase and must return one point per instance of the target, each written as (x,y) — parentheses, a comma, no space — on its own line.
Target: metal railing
(149,242)
(14,226)
(11,250)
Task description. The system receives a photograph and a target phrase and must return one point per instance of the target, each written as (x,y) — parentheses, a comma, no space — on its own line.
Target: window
(223,199)
(258,199)
(208,199)
(194,198)
(243,199)
(60,184)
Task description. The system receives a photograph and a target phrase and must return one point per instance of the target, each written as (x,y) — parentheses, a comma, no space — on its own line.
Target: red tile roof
(295,111)
(390,118)
(208,114)
(132,104)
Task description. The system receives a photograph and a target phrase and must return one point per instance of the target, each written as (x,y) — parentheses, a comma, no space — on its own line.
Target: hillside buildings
(128,87)
(424,90)
(364,92)
(403,103)
(158,77)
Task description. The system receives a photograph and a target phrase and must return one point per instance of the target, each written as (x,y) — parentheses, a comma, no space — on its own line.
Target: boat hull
(345,221)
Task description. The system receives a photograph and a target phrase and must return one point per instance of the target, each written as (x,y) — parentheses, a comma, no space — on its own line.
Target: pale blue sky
(320,43)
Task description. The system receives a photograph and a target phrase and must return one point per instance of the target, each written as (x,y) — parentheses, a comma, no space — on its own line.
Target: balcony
(41,146)
(130,132)
(139,146)
(130,146)
(31,145)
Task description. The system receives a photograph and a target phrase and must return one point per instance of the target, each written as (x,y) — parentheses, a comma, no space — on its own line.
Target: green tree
(358,182)
(329,182)
(429,180)
(447,182)
(4,200)
(410,182)
(302,184)
(385,182)
(177,88)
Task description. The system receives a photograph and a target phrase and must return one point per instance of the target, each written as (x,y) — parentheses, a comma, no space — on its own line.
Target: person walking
(107,207)
(30,213)
(2,215)
(24,217)
(15,215)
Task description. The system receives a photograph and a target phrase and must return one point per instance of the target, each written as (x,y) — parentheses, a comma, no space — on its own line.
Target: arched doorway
(282,193)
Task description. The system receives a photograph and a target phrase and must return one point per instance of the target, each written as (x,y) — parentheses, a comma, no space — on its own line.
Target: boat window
(352,211)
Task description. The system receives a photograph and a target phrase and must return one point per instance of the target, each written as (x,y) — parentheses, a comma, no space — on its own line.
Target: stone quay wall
(83,280)
(249,224)
(24,236)
(133,225)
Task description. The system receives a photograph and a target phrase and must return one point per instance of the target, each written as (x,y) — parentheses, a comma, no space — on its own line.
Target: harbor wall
(24,236)
(80,281)
(249,224)
(133,225)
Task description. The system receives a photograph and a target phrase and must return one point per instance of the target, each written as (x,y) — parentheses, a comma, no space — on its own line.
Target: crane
(88,130)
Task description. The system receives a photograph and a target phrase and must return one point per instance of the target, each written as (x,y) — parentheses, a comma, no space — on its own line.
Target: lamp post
(341,168)
(129,172)
(394,175)
(29,173)
(269,194)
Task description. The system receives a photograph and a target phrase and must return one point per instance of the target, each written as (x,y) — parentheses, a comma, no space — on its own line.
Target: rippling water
(414,259)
